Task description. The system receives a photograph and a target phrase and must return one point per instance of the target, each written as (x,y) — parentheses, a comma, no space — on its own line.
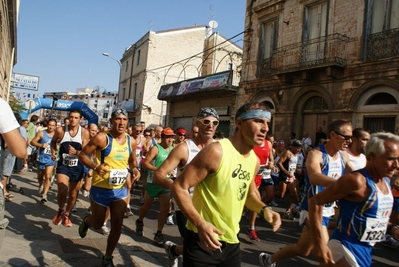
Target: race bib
(69,160)
(375,230)
(117,176)
(266,174)
(47,150)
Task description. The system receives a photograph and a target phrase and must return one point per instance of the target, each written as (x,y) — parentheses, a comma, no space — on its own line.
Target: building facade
(166,57)
(314,61)
(8,43)
(216,86)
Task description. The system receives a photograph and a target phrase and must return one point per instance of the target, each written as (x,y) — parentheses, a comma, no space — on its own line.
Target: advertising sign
(23,81)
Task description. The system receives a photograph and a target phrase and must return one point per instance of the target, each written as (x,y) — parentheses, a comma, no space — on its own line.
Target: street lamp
(120,69)
(107,55)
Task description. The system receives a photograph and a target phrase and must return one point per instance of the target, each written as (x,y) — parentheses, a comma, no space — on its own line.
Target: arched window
(381,99)
(315,103)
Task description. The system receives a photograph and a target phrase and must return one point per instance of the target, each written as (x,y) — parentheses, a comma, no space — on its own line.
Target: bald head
(93,130)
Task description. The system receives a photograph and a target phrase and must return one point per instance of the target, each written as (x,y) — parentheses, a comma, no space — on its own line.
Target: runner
(71,139)
(114,151)
(223,178)
(365,201)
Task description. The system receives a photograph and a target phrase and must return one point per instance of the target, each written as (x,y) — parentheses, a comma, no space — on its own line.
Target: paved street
(31,239)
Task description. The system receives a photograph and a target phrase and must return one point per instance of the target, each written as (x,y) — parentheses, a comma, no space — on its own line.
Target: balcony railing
(324,51)
(382,45)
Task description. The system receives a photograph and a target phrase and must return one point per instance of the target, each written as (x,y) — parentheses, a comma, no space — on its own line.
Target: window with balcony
(314,33)
(268,43)
(382,29)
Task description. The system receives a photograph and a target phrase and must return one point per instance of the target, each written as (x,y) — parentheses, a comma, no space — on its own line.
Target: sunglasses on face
(207,122)
(346,137)
(147,135)
(182,135)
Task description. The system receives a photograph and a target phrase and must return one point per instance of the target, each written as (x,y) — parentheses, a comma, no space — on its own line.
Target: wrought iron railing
(328,50)
(382,45)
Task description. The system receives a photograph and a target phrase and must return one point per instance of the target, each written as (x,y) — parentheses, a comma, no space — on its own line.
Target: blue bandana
(256,113)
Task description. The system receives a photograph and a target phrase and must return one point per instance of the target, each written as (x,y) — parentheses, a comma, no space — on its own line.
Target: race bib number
(117,176)
(70,160)
(266,174)
(47,150)
(375,230)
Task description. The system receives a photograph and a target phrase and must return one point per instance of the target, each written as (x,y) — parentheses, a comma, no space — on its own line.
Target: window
(382,15)
(315,28)
(378,124)
(268,38)
(382,28)
(127,65)
(123,93)
(268,43)
(105,115)
(138,57)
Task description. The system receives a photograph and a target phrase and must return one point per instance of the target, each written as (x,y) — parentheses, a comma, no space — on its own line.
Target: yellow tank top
(117,157)
(221,196)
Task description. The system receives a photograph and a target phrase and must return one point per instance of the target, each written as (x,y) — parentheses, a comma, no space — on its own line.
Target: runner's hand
(323,254)
(273,218)
(206,233)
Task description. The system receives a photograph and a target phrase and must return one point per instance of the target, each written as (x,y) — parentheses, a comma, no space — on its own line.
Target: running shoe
(107,261)
(252,235)
(390,242)
(172,260)
(169,220)
(139,227)
(57,219)
(83,227)
(128,213)
(265,260)
(159,239)
(67,221)
(74,209)
(44,198)
(287,215)
(104,230)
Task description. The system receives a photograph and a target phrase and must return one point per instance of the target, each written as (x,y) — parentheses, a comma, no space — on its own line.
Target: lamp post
(120,69)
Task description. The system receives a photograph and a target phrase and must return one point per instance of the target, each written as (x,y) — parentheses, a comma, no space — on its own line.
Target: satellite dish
(213,24)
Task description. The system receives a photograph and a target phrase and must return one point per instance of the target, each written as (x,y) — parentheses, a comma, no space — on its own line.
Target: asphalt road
(270,242)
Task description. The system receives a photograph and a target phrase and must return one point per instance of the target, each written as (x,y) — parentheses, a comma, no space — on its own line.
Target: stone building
(314,61)
(8,43)
(167,57)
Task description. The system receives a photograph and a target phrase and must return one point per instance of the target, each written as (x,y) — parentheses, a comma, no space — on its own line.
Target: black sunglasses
(346,137)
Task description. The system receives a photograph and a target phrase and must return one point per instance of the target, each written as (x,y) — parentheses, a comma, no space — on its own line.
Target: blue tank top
(365,222)
(44,155)
(312,189)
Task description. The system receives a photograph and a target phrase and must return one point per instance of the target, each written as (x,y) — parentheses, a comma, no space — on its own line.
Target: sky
(62,42)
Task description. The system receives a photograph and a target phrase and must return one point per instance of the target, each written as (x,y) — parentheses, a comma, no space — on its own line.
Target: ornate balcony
(382,45)
(320,52)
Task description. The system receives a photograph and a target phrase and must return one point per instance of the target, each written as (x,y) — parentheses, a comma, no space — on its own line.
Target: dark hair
(45,123)
(293,135)
(34,118)
(357,133)
(75,111)
(18,117)
(336,126)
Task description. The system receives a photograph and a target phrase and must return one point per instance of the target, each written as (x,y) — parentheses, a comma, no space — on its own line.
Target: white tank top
(334,171)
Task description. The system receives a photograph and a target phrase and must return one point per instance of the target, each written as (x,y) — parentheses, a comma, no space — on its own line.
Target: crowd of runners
(341,187)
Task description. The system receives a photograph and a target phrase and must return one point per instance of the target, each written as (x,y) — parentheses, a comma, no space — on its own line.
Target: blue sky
(62,41)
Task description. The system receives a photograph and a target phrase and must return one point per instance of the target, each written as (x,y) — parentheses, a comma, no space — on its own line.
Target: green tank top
(158,160)
(221,196)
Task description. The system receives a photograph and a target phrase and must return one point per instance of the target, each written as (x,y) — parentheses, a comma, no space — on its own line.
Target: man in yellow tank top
(223,175)
(115,150)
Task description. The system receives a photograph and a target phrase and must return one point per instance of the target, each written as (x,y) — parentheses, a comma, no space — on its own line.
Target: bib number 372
(117,176)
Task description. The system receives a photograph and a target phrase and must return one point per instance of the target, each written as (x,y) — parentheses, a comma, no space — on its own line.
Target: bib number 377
(117,176)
